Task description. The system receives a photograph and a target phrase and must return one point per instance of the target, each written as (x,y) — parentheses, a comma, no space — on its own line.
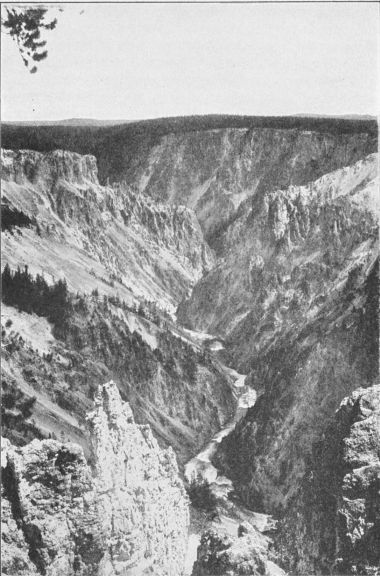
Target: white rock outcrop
(143,501)
(60,518)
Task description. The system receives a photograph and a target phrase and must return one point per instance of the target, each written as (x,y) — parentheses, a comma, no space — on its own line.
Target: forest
(34,295)
(90,139)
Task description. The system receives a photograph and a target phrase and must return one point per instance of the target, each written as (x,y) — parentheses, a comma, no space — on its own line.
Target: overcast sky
(132,61)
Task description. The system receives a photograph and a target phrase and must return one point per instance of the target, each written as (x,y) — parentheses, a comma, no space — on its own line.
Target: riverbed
(201,468)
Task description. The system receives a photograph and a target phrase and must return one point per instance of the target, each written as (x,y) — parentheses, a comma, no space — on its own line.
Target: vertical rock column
(142,499)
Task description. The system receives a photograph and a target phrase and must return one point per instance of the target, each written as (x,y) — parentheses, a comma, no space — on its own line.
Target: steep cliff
(214,171)
(209,163)
(303,376)
(292,456)
(333,524)
(245,552)
(308,330)
(137,259)
(130,517)
(98,236)
(170,382)
(282,257)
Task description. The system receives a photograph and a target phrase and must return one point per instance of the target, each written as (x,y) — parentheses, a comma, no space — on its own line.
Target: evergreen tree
(21,290)
(25,25)
(6,283)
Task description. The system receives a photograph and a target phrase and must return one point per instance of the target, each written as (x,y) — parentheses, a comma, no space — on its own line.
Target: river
(201,467)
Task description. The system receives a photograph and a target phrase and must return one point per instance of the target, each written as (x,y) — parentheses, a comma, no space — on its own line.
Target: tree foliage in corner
(25,27)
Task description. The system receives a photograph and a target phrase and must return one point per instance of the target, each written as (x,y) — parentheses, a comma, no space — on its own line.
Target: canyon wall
(129,515)
(127,262)
(333,524)
(99,236)
(283,252)
(302,372)
(210,163)
(308,335)
(214,171)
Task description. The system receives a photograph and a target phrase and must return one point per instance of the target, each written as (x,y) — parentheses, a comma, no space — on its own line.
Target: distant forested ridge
(91,139)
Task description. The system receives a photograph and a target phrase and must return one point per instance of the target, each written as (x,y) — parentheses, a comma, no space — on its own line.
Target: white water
(200,466)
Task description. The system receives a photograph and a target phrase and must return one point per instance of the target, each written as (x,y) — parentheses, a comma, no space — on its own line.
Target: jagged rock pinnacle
(130,518)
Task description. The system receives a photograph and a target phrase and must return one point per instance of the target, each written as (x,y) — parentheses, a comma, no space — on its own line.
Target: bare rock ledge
(126,514)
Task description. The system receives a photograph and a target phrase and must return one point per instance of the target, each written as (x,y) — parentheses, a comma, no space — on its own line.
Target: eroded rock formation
(333,525)
(225,555)
(214,170)
(128,515)
(303,376)
(99,236)
(281,253)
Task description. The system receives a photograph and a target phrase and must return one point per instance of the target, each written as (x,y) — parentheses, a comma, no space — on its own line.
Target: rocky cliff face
(333,524)
(244,553)
(303,376)
(214,171)
(285,251)
(129,518)
(99,235)
(117,244)
(302,280)
(293,457)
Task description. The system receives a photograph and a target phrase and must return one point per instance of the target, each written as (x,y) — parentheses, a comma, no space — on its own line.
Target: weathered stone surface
(49,489)
(303,376)
(333,525)
(142,499)
(156,251)
(117,243)
(60,519)
(214,171)
(245,554)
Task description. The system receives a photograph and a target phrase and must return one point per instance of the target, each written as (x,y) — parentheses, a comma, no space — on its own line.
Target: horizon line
(352,115)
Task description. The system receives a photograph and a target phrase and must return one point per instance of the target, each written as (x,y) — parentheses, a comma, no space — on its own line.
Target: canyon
(223,274)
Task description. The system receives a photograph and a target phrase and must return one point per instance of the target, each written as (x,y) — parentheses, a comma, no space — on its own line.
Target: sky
(135,61)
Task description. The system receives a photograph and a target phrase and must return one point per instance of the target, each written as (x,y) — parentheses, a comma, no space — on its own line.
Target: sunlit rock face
(308,330)
(281,253)
(214,171)
(117,243)
(333,524)
(129,517)
(27,166)
(143,501)
(303,375)
(99,235)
